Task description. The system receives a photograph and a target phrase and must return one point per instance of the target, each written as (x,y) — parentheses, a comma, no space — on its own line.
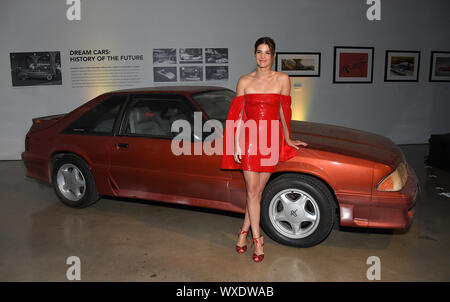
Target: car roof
(184,89)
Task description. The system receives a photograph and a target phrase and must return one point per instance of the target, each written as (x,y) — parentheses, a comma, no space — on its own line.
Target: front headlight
(395,180)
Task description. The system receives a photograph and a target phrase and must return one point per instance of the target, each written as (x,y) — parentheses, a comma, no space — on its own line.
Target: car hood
(347,141)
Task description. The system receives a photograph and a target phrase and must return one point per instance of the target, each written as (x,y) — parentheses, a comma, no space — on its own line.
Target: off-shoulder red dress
(259,109)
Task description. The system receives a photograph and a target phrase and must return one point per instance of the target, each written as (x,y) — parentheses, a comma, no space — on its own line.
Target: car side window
(100,119)
(154,117)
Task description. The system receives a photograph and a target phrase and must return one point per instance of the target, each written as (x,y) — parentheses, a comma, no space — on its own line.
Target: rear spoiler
(48,117)
(43,122)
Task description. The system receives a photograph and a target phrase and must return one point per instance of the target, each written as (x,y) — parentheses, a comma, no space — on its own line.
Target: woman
(262,95)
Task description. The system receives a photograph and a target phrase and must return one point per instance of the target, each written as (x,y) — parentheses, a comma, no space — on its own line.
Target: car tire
(297,210)
(49,77)
(73,182)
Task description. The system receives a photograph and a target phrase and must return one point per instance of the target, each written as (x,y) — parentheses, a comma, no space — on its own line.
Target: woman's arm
(239,92)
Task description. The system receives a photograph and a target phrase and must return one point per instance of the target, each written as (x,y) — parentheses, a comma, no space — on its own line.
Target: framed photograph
(191,73)
(440,66)
(402,66)
(164,74)
(216,55)
(164,56)
(216,73)
(298,64)
(191,55)
(353,64)
(36,68)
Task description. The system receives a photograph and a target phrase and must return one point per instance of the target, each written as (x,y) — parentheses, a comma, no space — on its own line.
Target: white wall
(404,112)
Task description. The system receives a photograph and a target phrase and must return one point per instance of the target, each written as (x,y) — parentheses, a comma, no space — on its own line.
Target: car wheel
(73,182)
(297,210)
(49,77)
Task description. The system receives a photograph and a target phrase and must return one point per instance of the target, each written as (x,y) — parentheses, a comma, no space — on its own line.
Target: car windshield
(215,103)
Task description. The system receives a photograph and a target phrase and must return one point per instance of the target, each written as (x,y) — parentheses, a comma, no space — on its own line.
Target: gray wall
(404,112)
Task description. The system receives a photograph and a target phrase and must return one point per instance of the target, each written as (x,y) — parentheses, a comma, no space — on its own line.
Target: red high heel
(258,258)
(242,249)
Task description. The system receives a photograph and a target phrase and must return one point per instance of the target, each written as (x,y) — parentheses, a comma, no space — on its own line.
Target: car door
(143,162)
(90,135)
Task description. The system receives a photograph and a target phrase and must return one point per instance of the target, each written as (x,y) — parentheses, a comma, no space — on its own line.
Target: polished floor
(126,240)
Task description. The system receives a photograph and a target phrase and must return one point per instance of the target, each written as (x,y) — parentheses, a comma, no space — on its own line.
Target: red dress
(257,111)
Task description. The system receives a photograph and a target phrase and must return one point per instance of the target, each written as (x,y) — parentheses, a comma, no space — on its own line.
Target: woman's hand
(295,143)
(237,154)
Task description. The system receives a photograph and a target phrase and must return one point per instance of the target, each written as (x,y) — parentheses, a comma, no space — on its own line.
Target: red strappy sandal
(242,249)
(258,258)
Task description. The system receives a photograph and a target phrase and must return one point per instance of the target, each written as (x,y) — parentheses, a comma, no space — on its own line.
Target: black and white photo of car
(216,73)
(191,55)
(164,56)
(36,68)
(164,74)
(216,55)
(191,73)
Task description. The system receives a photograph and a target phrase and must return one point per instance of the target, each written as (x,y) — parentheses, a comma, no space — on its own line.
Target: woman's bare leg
(255,183)
(247,222)
(263,178)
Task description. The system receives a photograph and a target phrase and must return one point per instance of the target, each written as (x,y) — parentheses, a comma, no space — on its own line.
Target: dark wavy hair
(266,40)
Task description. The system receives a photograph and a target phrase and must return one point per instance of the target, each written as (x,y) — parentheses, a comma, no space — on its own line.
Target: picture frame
(164,56)
(298,64)
(353,64)
(165,74)
(36,68)
(194,64)
(191,73)
(216,73)
(190,55)
(440,66)
(402,66)
(216,56)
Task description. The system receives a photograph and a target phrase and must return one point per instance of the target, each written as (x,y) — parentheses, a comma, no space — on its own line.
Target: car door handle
(121,146)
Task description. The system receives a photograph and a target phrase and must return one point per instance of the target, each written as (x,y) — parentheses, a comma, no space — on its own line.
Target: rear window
(100,119)
(215,103)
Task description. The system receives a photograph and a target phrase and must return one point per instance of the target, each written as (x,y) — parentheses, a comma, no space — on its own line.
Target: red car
(119,144)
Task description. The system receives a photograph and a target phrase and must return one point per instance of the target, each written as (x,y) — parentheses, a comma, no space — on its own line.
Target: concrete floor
(126,240)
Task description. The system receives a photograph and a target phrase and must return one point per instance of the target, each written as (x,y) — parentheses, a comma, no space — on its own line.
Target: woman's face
(264,56)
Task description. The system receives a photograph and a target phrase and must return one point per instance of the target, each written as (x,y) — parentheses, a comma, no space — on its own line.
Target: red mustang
(120,144)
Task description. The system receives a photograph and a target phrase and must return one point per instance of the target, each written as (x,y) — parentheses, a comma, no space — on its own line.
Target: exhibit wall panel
(118,38)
